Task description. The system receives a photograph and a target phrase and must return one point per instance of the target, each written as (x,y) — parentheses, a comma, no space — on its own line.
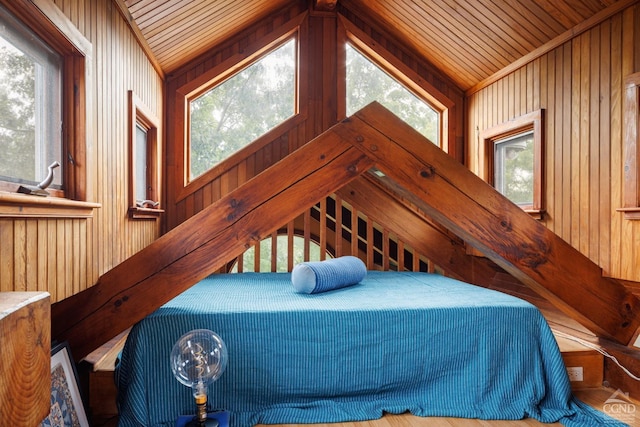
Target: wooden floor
(596,397)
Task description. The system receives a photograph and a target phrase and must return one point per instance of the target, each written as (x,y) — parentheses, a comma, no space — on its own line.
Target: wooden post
(25,383)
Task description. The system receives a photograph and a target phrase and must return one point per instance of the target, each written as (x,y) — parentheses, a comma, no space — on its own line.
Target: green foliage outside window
(30,104)
(248,258)
(241,109)
(366,82)
(514,174)
(17,114)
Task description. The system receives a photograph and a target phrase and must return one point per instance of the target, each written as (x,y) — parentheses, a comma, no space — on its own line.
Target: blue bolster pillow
(320,276)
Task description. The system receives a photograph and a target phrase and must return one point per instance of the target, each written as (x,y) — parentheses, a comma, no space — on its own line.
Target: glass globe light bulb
(199,358)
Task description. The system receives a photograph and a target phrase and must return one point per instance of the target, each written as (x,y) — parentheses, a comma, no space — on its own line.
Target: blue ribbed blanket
(395,342)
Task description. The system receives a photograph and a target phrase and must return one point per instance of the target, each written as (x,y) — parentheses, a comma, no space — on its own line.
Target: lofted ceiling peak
(469,41)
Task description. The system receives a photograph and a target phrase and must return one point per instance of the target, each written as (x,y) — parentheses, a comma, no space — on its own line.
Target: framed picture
(67,408)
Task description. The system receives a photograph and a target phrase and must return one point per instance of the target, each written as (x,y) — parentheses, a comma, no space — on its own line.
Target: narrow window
(235,112)
(631,135)
(368,82)
(30,105)
(144,189)
(142,181)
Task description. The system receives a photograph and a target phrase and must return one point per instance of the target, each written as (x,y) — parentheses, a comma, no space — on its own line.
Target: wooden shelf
(17,205)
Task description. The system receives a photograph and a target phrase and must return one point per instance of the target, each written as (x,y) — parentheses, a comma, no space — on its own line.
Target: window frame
(631,147)
(139,113)
(349,33)
(218,74)
(45,19)
(220,80)
(533,121)
(47,103)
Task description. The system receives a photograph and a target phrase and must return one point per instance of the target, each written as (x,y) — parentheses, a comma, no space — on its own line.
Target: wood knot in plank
(428,172)
(121,301)
(627,311)
(506,225)
(536,255)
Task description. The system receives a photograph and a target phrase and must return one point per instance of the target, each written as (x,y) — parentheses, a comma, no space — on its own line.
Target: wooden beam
(466,205)
(201,245)
(415,170)
(426,237)
(325,5)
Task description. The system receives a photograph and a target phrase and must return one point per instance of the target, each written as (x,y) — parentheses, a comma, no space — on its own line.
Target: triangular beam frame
(446,190)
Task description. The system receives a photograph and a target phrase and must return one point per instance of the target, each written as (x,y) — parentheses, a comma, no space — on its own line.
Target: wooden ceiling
(468,40)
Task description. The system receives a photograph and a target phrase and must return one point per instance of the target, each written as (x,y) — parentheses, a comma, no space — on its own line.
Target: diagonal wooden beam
(444,189)
(201,245)
(325,5)
(445,250)
(468,206)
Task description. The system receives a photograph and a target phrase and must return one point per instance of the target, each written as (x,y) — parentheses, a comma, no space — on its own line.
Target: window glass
(514,168)
(367,82)
(282,258)
(244,107)
(30,105)
(141,163)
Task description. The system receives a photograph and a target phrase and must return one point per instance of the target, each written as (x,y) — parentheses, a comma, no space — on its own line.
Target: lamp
(199,358)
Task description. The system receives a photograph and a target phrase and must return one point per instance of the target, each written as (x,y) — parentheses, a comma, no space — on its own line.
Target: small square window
(513,161)
(513,173)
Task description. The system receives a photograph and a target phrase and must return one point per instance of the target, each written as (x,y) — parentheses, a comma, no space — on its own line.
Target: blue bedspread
(396,342)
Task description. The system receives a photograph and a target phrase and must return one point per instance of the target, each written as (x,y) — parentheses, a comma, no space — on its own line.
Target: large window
(240,109)
(45,79)
(30,105)
(367,82)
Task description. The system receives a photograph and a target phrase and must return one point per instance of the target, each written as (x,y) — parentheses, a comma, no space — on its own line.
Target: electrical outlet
(575,373)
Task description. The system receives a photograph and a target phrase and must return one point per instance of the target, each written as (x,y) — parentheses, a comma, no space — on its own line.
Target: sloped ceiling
(468,40)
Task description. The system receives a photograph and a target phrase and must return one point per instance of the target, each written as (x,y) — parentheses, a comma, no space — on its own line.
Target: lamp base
(219,418)
(207,423)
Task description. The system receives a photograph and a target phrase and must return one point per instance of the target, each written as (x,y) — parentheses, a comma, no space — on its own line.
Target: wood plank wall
(65,256)
(319,105)
(579,84)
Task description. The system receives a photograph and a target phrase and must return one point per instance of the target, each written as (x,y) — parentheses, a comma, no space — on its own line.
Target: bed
(395,342)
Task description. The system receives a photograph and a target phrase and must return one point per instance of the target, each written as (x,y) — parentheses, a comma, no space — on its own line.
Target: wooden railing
(336,228)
